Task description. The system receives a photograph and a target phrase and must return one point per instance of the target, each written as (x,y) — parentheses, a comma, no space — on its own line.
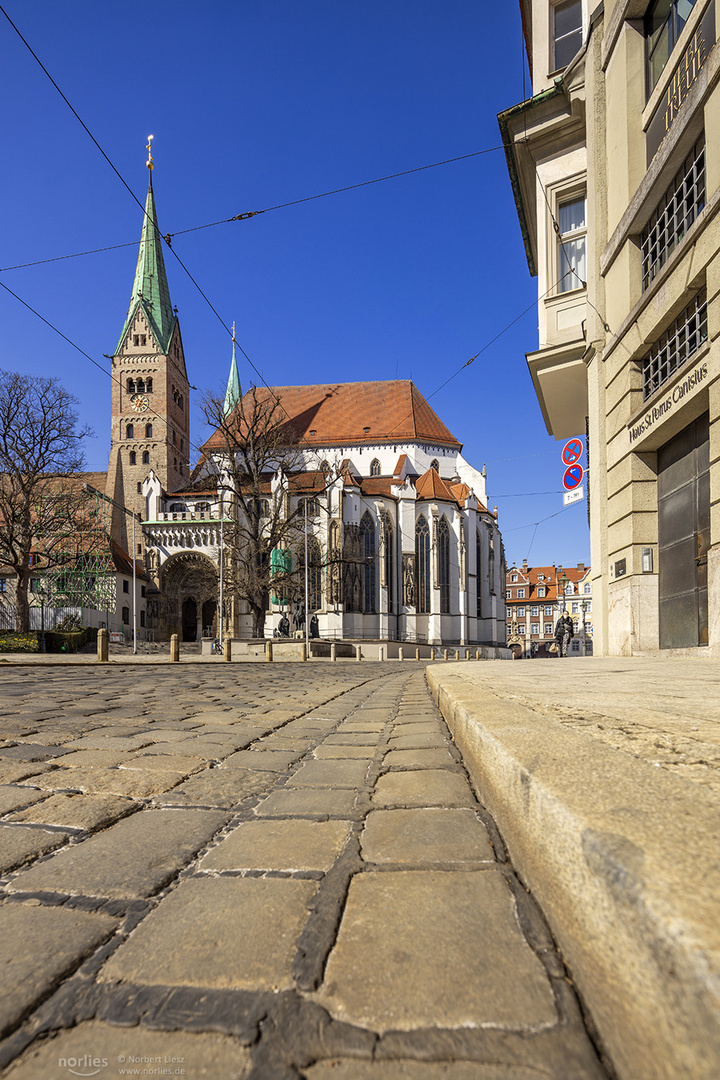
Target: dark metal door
(684,536)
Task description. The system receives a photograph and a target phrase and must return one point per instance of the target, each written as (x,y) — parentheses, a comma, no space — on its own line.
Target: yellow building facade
(615,165)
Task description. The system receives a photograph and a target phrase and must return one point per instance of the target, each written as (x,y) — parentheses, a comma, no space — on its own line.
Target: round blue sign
(572,451)
(573,477)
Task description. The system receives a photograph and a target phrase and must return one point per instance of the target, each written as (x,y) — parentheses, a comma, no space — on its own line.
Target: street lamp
(584,607)
(41,590)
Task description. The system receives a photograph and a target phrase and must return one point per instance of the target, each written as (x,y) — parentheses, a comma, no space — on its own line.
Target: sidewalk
(603,776)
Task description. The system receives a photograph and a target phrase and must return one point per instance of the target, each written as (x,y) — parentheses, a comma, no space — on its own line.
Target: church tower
(150,389)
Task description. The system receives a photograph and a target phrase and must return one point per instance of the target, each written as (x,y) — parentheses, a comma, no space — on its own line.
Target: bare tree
(259,466)
(41,500)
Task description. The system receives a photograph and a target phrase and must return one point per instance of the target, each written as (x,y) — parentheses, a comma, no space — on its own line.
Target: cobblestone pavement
(265,874)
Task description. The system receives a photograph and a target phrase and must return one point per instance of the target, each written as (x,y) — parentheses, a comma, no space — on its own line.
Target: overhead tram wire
(238,217)
(251,213)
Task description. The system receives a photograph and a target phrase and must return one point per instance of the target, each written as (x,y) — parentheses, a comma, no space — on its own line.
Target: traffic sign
(572,451)
(573,477)
(570,497)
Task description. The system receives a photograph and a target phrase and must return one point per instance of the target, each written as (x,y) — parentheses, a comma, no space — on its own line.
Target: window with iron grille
(681,339)
(674,214)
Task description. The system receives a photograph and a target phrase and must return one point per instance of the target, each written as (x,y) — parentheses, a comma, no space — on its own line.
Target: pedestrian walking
(564,633)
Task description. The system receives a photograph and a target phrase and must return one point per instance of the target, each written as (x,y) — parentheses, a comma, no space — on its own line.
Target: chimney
(581,566)
(524,566)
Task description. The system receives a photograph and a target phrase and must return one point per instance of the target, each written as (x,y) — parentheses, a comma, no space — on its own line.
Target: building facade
(615,167)
(405,548)
(536,597)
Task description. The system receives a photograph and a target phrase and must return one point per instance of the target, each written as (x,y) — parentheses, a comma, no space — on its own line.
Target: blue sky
(253,105)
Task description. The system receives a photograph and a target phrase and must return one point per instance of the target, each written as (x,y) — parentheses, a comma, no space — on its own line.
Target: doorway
(684,536)
(189,620)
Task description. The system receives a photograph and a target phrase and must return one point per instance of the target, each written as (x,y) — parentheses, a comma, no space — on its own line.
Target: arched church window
(444,564)
(148,386)
(315,564)
(367,555)
(435,464)
(148,431)
(129,431)
(133,457)
(131,386)
(479,574)
(140,386)
(422,561)
(126,615)
(374,467)
(390,565)
(146,457)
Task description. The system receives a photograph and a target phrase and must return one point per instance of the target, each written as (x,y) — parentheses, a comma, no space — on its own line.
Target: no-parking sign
(573,477)
(572,451)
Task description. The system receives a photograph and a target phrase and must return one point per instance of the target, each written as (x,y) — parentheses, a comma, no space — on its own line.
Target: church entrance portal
(189,620)
(189,590)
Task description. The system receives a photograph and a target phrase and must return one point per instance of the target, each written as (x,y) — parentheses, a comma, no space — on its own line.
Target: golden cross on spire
(149,150)
(233,330)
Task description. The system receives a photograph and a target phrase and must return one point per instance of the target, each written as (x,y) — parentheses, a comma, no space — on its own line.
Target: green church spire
(233,392)
(150,287)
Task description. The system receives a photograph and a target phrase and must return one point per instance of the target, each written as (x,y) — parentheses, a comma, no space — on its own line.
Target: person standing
(564,633)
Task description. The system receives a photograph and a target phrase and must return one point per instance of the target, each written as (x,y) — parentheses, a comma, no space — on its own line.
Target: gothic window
(140,386)
(181,401)
(148,431)
(148,386)
(422,558)
(374,467)
(126,615)
(131,386)
(139,488)
(435,464)
(311,505)
(479,573)
(390,565)
(314,573)
(367,555)
(491,565)
(133,457)
(444,564)
(146,457)
(129,431)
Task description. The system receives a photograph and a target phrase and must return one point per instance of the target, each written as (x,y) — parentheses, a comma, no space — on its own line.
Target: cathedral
(403,546)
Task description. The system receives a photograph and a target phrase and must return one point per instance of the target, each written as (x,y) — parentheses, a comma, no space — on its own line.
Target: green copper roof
(233,392)
(150,287)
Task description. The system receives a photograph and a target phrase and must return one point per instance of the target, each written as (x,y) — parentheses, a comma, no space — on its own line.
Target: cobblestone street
(266,872)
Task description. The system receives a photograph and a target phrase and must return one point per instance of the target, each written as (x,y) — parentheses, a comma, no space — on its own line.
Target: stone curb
(622,859)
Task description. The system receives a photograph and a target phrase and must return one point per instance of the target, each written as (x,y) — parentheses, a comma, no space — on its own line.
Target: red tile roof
(360,413)
(432,486)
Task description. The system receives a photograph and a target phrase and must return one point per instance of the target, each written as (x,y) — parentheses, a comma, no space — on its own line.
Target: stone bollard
(445,654)
(174,648)
(467,654)
(333,651)
(227,650)
(381,652)
(358,652)
(417,654)
(102,646)
(432,653)
(401,653)
(303,652)
(268,650)
(477,654)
